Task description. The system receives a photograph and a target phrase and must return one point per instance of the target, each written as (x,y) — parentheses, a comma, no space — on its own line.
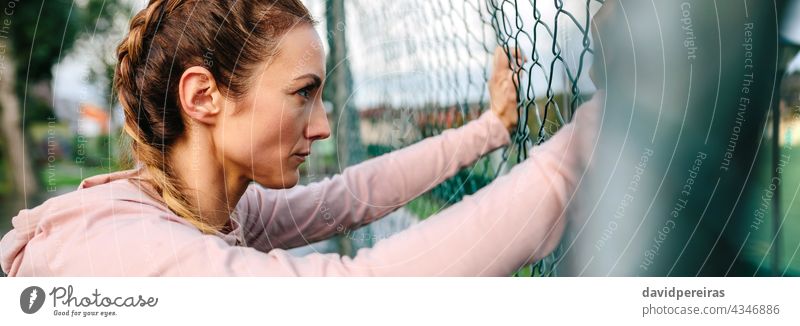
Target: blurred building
(93,120)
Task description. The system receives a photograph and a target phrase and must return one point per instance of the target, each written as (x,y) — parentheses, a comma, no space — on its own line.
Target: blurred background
(715,195)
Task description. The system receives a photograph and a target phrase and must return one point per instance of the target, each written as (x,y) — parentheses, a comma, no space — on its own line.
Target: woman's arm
(364,192)
(373,189)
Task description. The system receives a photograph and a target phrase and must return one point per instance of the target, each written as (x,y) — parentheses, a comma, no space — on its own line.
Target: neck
(211,189)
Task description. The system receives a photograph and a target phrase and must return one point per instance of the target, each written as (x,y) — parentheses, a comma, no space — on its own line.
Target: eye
(307,92)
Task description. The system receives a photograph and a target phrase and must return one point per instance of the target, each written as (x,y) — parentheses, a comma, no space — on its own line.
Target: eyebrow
(317,79)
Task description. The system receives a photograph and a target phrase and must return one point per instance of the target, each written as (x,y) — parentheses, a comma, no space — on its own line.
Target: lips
(301,156)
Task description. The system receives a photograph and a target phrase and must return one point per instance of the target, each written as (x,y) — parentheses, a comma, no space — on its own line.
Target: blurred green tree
(34,36)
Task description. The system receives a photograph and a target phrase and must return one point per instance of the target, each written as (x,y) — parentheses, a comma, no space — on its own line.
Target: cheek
(275,143)
(276,133)
(292,124)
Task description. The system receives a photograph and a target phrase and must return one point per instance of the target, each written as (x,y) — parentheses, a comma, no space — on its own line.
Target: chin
(290,180)
(285,181)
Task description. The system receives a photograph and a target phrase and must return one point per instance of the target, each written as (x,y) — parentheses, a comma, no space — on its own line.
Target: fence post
(340,87)
(338,90)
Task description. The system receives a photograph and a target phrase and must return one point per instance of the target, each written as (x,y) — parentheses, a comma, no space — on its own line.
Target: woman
(219,94)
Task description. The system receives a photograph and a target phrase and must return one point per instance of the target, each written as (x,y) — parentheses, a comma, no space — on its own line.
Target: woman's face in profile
(269,134)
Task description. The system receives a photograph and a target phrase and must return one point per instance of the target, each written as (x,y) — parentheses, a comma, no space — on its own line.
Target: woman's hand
(503,88)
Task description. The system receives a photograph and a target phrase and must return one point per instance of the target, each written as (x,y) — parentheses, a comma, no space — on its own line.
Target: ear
(199,95)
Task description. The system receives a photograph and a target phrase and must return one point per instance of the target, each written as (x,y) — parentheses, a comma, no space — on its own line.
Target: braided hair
(229,38)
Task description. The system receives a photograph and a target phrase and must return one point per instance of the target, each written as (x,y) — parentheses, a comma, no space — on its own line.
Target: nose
(318,126)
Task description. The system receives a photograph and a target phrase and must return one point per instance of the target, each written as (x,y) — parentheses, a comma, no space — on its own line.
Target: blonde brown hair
(229,38)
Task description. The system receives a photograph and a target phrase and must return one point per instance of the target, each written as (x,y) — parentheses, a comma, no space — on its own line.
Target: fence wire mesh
(421,66)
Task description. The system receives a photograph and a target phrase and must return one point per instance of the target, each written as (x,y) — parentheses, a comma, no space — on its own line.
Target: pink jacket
(110,227)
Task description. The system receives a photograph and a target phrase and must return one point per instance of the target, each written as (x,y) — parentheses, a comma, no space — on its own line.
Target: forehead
(300,52)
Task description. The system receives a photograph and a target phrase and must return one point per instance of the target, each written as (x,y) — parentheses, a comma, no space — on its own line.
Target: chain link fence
(420,67)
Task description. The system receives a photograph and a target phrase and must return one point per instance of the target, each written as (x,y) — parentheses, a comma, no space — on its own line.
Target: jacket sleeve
(364,192)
